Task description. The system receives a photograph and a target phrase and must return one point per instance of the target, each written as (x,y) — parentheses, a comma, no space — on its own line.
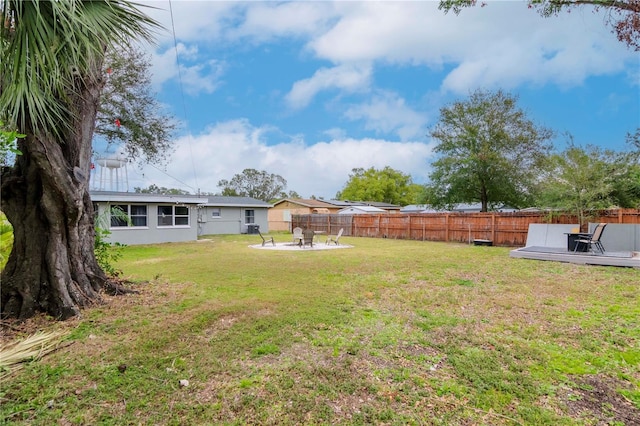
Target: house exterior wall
(279,216)
(152,233)
(230,221)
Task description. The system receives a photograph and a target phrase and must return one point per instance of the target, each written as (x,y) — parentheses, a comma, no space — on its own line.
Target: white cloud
(192,20)
(264,21)
(349,78)
(387,112)
(321,169)
(204,76)
(504,44)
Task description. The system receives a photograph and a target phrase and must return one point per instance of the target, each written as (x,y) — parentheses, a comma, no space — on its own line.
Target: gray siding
(152,233)
(230,221)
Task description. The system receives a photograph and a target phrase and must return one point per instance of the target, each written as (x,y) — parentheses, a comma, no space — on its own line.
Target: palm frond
(34,347)
(50,46)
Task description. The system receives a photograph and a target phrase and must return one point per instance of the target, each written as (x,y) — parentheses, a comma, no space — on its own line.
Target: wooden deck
(559,254)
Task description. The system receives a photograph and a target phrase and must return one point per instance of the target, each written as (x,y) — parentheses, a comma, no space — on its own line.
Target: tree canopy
(255,184)
(386,185)
(130,114)
(155,189)
(488,152)
(583,179)
(622,15)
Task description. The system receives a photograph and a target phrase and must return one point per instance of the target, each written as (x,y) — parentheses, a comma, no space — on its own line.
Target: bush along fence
(502,229)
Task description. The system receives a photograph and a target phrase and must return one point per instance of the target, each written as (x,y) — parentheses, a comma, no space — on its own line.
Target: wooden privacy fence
(503,229)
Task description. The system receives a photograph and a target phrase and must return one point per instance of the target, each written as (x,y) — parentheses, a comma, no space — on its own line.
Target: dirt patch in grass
(597,398)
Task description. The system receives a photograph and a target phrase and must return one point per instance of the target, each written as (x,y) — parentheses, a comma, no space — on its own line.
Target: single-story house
(415,208)
(281,212)
(458,208)
(232,215)
(361,210)
(136,218)
(387,207)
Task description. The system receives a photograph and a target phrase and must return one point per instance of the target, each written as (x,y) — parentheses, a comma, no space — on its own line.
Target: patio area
(296,247)
(560,254)
(550,242)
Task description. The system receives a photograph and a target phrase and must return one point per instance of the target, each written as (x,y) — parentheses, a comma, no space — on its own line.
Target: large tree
(51,76)
(584,179)
(386,185)
(129,114)
(489,152)
(255,184)
(622,15)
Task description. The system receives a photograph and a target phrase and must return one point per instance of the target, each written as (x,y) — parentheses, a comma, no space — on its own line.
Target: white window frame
(215,210)
(127,211)
(246,216)
(174,216)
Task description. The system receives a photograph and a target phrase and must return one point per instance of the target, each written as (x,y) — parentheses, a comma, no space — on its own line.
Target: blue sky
(311,90)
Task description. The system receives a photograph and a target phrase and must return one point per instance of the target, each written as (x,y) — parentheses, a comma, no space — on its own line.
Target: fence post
(493,226)
(446,228)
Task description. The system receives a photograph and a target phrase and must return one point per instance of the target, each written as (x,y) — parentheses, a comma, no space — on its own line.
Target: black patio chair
(592,240)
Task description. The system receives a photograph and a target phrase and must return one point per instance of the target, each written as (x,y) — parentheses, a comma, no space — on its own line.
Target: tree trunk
(45,195)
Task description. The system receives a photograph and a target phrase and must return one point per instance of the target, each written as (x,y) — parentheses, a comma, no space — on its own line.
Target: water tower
(113,172)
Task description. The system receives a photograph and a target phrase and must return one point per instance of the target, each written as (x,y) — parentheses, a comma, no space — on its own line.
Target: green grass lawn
(386,332)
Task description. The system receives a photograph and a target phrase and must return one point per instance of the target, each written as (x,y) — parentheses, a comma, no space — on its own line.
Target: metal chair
(335,239)
(592,240)
(297,235)
(307,237)
(266,239)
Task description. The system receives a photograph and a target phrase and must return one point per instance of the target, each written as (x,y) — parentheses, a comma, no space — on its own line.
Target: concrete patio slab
(296,247)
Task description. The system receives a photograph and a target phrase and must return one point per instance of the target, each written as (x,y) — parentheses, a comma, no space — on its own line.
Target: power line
(184,104)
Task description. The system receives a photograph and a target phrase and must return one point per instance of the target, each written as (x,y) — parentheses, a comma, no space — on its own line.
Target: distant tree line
(488,152)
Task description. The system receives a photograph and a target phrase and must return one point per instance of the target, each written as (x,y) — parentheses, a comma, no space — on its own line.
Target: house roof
(361,209)
(210,201)
(137,197)
(224,201)
(384,206)
(414,208)
(379,204)
(345,203)
(310,203)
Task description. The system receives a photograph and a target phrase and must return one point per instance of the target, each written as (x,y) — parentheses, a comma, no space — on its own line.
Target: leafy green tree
(255,184)
(387,185)
(51,77)
(489,152)
(622,15)
(290,195)
(130,114)
(583,179)
(155,189)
